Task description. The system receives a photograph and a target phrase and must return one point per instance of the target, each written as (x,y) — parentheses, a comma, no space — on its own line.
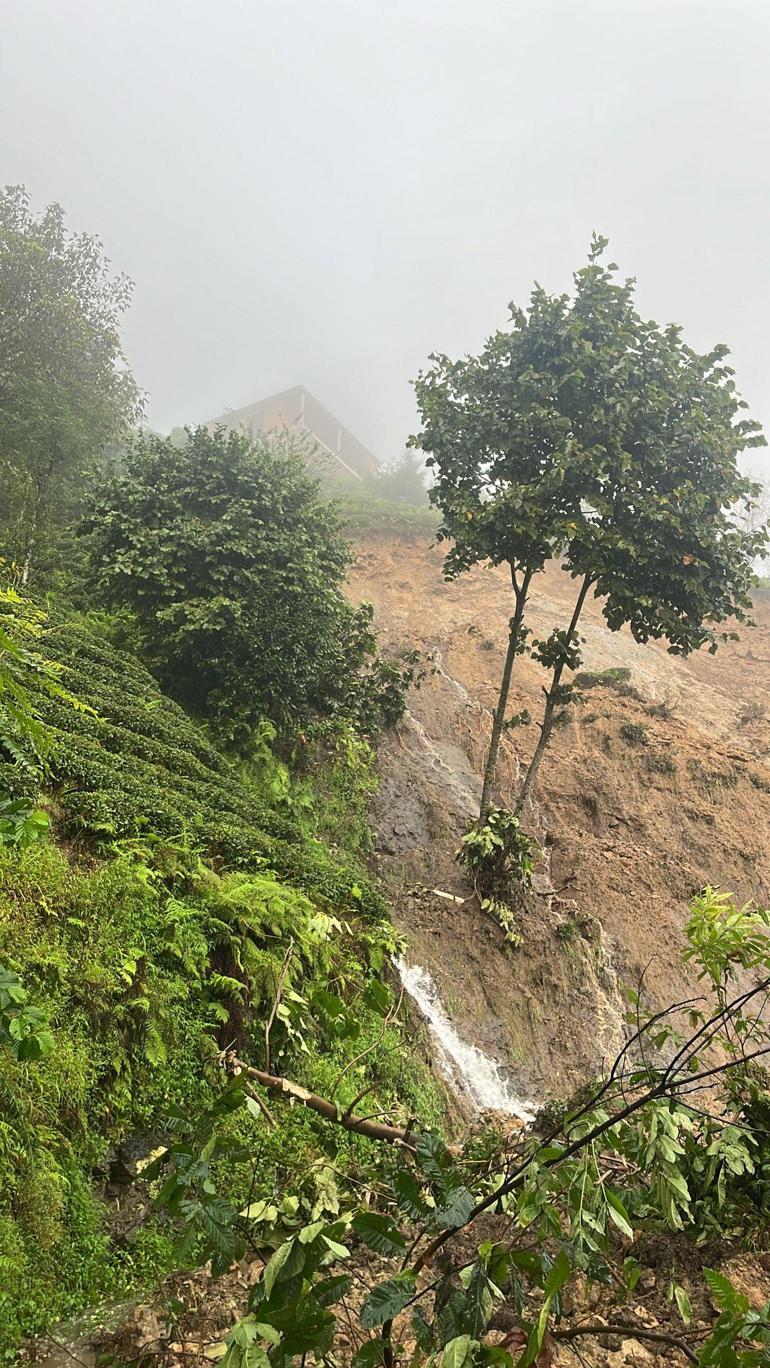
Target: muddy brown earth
(647,795)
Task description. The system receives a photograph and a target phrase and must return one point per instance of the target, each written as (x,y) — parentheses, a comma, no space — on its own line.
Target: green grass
(363,514)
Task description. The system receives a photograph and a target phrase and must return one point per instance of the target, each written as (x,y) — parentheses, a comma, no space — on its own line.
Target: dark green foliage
(137,968)
(550,442)
(21,823)
(500,859)
(65,389)
(629,1157)
(588,433)
(22,1027)
(364,514)
(233,563)
(26,675)
(160,936)
(609,679)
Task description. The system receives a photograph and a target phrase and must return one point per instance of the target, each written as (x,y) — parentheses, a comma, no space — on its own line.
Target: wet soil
(647,794)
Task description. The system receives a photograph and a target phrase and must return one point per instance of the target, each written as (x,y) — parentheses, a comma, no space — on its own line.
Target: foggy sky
(324,191)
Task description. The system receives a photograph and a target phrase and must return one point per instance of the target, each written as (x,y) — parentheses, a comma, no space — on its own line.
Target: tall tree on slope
(588,433)
(65,388)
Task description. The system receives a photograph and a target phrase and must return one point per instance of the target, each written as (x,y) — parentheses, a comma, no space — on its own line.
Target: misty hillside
(384,685)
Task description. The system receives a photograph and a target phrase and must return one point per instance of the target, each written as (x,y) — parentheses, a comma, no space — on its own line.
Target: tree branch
(637,1331)
(294,1092)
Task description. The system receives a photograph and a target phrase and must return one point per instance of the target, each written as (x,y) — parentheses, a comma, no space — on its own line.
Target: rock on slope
(632,828)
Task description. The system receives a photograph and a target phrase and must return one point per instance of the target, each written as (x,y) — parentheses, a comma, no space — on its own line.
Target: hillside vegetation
(211,1097)
(152,927)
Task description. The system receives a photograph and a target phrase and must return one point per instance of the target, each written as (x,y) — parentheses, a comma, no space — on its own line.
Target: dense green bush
(363,512)
(142,971)
(233,562)
(614,678)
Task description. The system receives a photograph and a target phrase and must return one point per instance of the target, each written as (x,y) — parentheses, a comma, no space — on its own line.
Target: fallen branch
(294,1092)
(634,1331)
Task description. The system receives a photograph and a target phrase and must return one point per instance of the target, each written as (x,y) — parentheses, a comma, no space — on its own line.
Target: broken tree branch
(634,1331)
(294,1092)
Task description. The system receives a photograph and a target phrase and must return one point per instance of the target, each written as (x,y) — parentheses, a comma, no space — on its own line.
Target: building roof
(297,410)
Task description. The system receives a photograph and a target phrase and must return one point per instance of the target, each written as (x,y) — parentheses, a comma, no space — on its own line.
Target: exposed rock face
(632,825)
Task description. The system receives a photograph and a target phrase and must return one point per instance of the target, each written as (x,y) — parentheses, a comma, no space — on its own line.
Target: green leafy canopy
(233,562)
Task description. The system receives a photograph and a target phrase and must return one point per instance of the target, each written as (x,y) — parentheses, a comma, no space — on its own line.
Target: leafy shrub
(140,972)
(636,733)
(21,824)
(134,766)
(500,859)
(629,1160)
(233,564)
(363,516)
(609,679)
(137,967)
(25,674)
(665,708)
(661,764)
(754,711)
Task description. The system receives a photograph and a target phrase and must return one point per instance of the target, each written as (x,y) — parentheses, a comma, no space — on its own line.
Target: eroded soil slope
(633,825)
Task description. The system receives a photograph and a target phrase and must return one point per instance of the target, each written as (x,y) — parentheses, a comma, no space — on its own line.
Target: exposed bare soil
(632,829)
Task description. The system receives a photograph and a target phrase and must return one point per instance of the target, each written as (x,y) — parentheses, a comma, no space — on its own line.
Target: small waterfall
(472,1073)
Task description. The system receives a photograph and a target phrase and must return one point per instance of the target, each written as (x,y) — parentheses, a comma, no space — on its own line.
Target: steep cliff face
(647,795)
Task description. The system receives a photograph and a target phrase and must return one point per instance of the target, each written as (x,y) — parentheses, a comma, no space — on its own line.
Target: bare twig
(263,1107)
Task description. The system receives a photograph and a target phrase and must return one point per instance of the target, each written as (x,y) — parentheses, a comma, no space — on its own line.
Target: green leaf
(632,1272)
(456,1209)
(331,1290)
(370,1355)
(304,1326)
(558,1274)
(409,1196)
(618,1214)
(683,1303)
(379,1233)
(387,1299)
(287,1262)
(458,1352)
(337,1249)
(725,1295)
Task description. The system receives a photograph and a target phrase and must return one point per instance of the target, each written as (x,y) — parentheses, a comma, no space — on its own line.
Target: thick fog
(324,191)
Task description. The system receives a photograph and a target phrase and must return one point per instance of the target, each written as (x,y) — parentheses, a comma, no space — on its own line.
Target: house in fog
(298,413)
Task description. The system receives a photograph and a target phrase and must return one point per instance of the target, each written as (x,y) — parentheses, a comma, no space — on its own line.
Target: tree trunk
(514,639)
(546,726)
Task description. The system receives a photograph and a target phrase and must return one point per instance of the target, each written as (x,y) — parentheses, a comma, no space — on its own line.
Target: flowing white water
(466,1067)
